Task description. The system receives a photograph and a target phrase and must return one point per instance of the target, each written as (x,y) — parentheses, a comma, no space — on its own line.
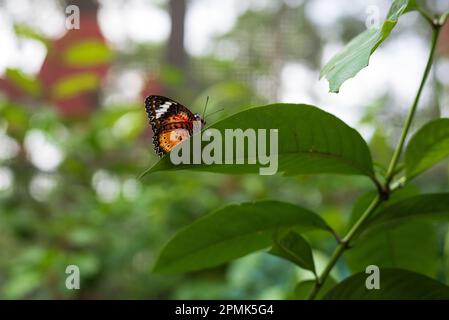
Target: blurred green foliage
(89,209)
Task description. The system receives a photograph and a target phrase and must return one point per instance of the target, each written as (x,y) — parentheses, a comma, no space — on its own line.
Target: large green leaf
(427,147)
(310,141)
(295,248)
(395,284)
(412,246)
(355,56)
(392,238)
(425,206)
(232,232)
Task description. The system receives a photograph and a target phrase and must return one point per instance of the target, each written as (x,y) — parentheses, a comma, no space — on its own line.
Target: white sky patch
(206,19)
(43,152)
(136,20)
(392,69)
(438,6)
(327,14)
(29,56)
(47,16)
(7,43)
(443,71)
(295,83)
(403,63)
(24,54)
(324,13)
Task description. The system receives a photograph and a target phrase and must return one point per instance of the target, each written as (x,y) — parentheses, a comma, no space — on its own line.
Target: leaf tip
(159,268)
(334,90)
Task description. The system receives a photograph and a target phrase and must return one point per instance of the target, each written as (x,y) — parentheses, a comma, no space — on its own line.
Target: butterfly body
(171,122)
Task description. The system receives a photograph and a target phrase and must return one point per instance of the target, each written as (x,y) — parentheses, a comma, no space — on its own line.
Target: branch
(383,190)
(411,115)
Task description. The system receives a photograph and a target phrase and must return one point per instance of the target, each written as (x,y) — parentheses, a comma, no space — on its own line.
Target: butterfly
(171,122)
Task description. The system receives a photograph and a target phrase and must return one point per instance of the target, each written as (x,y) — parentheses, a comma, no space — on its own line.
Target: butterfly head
(199,118)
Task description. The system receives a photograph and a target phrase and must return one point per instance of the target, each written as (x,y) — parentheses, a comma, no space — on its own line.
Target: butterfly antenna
(214,113)
(205,107)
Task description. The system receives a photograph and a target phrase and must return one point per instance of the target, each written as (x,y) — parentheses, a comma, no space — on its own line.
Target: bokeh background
(74,136)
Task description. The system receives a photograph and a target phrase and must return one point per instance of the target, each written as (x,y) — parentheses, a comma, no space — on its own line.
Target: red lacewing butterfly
(171,122)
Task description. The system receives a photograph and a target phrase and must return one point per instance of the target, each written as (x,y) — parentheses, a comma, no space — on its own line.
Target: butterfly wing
(171,122)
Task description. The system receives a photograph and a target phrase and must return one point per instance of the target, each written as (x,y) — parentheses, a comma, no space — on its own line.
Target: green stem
(426,16)
(343,245)
(411,115)
(384,190)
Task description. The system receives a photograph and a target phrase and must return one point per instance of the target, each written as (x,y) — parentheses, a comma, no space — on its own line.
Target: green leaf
(412,6)
(303,289)
(75,84)
(22,30)
(295,248)
(87,53)
(432,207)
(412,246)
(390,242)
(355,56)
(363,202)
(310,141)
(395,284)
(26,83)
(22,285)
(427,147)
(232,232)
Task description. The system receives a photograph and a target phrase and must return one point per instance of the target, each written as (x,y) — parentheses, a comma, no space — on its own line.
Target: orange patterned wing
(168,139)
(181,117)
(171,122)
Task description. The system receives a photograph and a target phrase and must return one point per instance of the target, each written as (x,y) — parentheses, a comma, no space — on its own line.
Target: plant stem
(425,15)
(411,115)
(383,190)
(343,245)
